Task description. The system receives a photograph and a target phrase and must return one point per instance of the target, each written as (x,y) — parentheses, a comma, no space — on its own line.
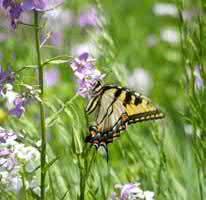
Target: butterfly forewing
(140,108)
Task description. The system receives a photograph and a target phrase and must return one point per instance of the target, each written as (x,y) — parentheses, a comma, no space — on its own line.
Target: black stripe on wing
(107,113)
(107,136)
(145,116)
(99,92)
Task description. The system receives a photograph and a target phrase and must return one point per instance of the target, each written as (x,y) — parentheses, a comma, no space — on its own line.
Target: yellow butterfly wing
(138,107)
(115,107)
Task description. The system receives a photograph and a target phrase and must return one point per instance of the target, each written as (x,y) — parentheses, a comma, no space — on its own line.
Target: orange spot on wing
(124,117)
(93,133)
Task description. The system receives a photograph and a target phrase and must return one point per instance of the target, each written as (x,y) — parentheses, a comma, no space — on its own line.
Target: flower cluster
(131,191)
(86,73)
(89,17)
(6,77)
(15,8)
(14,102)
(199,82)
(140,80)
(14,158)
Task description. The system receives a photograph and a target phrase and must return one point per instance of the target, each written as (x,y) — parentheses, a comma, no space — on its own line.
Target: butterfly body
(114,108)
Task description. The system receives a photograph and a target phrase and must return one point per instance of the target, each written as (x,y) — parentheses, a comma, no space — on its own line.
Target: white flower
(29,155)
(140,80)
(148,195)
(23,152)
(170,35)
(188,129)
(15,184)
(199,82)
(188,15)
(7,137)
(9,95)
(162,9)
(131,191)
(11,180)
(152,40)
(35,187)
(14,158)
(8,163)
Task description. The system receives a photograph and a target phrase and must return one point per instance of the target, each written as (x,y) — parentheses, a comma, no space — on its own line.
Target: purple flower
(6,3)
(127,189)
(15,102)
(199,82)
(86,73)
(41,5)
(89,17)
(38,5)
(6,77)
(57,38)
(51,77)
(5,152)
(8,162)
(15,12)
(19,109)
(6,136)
(131,191)
(83,68)
(14,158)
(15,8)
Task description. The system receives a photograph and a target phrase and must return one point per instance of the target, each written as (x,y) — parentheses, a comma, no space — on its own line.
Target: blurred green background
(138,45)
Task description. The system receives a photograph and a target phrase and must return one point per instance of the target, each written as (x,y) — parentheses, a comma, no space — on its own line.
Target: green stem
(161,167)
(85,170)
(41,106)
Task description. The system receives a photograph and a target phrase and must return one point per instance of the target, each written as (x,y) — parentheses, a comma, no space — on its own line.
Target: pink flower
(15,8)
(89,17)
(51,77)
(86,73)
(41,5)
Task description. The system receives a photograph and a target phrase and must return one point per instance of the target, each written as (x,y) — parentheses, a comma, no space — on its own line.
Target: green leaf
(65,194)
(75,126)
(50,121)
(51,163)
(57,60)
(26,67)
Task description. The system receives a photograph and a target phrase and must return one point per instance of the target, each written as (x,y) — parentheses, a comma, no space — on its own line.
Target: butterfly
(114,108)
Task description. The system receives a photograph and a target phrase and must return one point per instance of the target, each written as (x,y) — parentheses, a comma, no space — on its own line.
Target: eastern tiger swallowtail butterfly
(114,109)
